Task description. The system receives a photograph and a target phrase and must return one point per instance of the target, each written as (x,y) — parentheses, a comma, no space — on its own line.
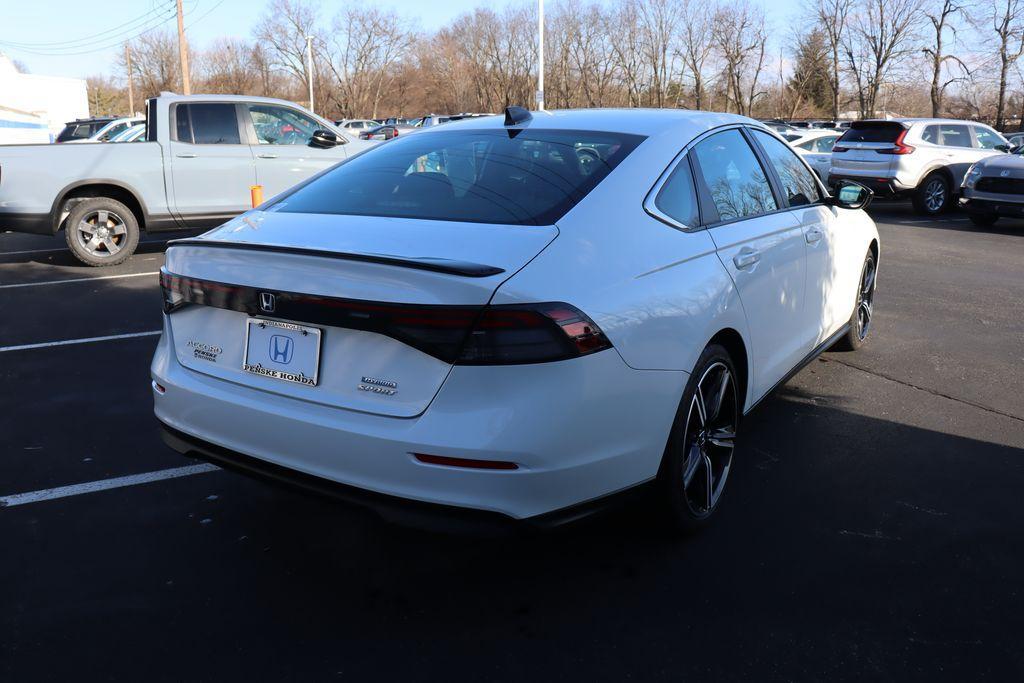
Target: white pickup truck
(202,155)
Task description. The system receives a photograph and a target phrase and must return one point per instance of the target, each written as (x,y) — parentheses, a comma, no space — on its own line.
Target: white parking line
(49,251)
(104,484)
(79,279)
(86,340)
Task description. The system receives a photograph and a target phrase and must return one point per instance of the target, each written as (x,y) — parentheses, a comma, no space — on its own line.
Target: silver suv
(924,159)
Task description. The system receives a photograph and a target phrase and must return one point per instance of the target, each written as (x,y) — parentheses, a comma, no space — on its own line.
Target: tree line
(910,57)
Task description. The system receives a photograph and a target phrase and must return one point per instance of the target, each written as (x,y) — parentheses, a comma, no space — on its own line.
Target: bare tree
(228,67)
(940,17)
(833,16)
(881,35)
(697,44)
(154,63)
(1006,21)
(660,21)
(283,30)
(741,38)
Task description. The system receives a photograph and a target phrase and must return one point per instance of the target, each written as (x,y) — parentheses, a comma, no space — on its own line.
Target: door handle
(267,156)
(184,155)
(746,258)
(813,236)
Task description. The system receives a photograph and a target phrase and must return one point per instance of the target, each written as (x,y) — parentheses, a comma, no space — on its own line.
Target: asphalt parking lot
(873,526)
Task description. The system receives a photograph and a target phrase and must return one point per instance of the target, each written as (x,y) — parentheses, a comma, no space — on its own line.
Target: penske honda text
(515,317)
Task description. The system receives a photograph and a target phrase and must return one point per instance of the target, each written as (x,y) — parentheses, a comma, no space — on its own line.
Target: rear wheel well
(942,171)
(115,192)
(732,342)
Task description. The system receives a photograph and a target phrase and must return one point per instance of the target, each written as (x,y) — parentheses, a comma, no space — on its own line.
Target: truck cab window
(207,123)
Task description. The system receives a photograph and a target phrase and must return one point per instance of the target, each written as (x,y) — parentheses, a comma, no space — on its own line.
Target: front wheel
(864,308)
(101,231)
(932,196)
(700,446)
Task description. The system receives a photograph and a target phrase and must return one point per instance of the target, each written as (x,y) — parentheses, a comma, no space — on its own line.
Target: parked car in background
(923,159)
(82,129)
(1016,140)
(512,331)
(993,188)
(136,133)
(114,127)
(356,126)
(430,120)
(386,132)
(815,146)
(201,156)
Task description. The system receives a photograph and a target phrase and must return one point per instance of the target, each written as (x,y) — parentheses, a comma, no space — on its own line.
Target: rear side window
(207,123)
(825,143)
(955,136)
(528,177)
(733,176)
(797,180)
(872,131)
(677,198)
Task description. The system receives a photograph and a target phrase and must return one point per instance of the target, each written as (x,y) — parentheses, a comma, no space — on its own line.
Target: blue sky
(81,39)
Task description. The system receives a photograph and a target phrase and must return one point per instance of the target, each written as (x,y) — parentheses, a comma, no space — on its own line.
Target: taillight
(466,335)
(531,333)
(898,146)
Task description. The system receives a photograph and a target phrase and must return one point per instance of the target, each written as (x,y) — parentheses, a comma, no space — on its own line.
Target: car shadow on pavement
(845,544)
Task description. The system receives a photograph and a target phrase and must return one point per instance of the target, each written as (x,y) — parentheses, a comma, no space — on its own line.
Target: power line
(114,41)
(140,20)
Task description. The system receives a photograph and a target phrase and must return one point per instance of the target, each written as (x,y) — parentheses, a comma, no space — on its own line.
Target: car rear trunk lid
(359,284)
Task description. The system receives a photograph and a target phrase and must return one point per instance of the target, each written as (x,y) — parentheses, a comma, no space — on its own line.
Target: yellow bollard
(256,192)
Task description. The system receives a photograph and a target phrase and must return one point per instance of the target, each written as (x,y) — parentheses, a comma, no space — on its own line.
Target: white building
(53,99)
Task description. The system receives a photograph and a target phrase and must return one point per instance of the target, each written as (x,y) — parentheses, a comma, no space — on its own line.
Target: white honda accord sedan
(514,319)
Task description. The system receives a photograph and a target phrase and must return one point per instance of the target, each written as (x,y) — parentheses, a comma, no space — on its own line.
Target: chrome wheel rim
(709,439)
(865,299)
(101,233)
(935,194)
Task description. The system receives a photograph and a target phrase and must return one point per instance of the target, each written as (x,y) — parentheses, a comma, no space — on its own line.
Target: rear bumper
(35,223)
(578,430)
(882,187)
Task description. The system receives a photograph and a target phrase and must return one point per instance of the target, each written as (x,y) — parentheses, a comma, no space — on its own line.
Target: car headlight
(972,176)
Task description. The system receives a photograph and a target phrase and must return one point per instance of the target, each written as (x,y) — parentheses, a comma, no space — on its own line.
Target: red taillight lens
(532,333)
(898,146)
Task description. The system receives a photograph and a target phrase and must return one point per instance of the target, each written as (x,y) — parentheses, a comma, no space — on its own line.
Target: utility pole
(309,69)
(186,81)
(131,90)
(540,57)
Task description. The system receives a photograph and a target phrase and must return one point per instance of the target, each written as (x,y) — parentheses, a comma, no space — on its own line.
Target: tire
(933,195)
(101,232)
(863,308)
(983,220)
(698,455)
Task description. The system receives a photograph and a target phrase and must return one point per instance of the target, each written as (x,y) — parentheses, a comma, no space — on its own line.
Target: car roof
(922,120)
(640,121)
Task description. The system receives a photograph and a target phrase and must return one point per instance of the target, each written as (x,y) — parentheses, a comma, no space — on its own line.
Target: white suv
(924,159)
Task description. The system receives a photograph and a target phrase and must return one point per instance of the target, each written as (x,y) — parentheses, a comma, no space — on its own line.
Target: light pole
(309,69)
(186,80)
(540,56)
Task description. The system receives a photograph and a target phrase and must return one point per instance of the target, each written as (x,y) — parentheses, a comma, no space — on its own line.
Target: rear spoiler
(431,263)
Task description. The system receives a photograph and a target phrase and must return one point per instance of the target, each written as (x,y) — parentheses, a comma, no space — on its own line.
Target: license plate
(282,350)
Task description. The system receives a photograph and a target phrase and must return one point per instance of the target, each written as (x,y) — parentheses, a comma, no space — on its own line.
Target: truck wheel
(101,232)
(932,196)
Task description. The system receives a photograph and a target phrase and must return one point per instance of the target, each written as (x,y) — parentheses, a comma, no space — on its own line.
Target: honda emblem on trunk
(267,302)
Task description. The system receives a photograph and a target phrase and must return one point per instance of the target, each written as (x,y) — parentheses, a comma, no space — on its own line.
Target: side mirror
(850,195)
(324,138)
(1002,148)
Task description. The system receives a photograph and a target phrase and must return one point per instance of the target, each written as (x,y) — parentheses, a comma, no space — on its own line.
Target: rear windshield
(530,177)
(872,131)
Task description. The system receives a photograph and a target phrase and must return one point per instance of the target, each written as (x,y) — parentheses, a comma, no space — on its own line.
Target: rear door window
(207,123)
(735,181)
(955,136)
(798,182)
(825,143)
(527,177)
